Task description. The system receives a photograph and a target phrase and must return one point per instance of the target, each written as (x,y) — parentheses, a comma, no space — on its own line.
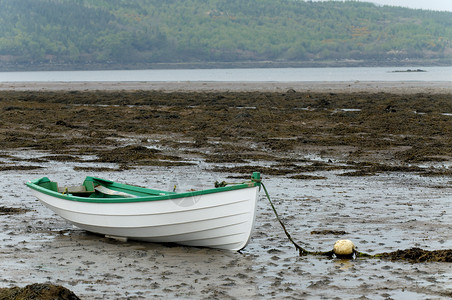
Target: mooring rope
(300,249)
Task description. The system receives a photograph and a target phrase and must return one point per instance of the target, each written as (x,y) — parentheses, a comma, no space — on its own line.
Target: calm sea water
(239,75)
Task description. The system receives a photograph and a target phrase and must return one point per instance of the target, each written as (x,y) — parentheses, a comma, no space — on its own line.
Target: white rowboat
(220,217)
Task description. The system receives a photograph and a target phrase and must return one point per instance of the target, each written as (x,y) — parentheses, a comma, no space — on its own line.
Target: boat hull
(221,220)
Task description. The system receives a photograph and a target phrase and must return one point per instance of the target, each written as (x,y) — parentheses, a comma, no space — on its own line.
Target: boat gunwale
(33,184)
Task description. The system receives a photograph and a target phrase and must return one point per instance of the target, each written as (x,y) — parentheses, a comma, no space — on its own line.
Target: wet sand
(372,166)
(396,87)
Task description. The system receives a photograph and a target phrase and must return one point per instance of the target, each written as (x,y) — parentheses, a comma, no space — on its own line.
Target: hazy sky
(423,4)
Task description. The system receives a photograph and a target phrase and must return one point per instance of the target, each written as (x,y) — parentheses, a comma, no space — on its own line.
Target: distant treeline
(102,32)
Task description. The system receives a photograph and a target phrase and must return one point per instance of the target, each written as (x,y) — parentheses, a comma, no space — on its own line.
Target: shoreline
(346,63)
(395,87)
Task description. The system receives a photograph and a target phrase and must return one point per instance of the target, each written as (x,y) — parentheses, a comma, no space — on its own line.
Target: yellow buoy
(344,248)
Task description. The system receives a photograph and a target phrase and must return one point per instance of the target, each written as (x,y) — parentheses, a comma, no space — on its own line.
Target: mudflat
(370,162)
(393,87)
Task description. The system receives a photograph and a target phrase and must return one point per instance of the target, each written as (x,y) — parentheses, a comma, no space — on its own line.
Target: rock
(38,291)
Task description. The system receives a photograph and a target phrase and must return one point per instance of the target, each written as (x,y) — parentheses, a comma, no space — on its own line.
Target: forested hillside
(48,33)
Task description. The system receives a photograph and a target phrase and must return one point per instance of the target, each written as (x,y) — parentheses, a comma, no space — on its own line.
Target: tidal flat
(372,167)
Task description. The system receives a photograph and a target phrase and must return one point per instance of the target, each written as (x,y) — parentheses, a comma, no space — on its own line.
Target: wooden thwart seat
(86,189)
(108,191)
(81,189)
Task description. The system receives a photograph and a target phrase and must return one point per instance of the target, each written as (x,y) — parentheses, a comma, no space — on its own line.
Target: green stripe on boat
(107,191)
